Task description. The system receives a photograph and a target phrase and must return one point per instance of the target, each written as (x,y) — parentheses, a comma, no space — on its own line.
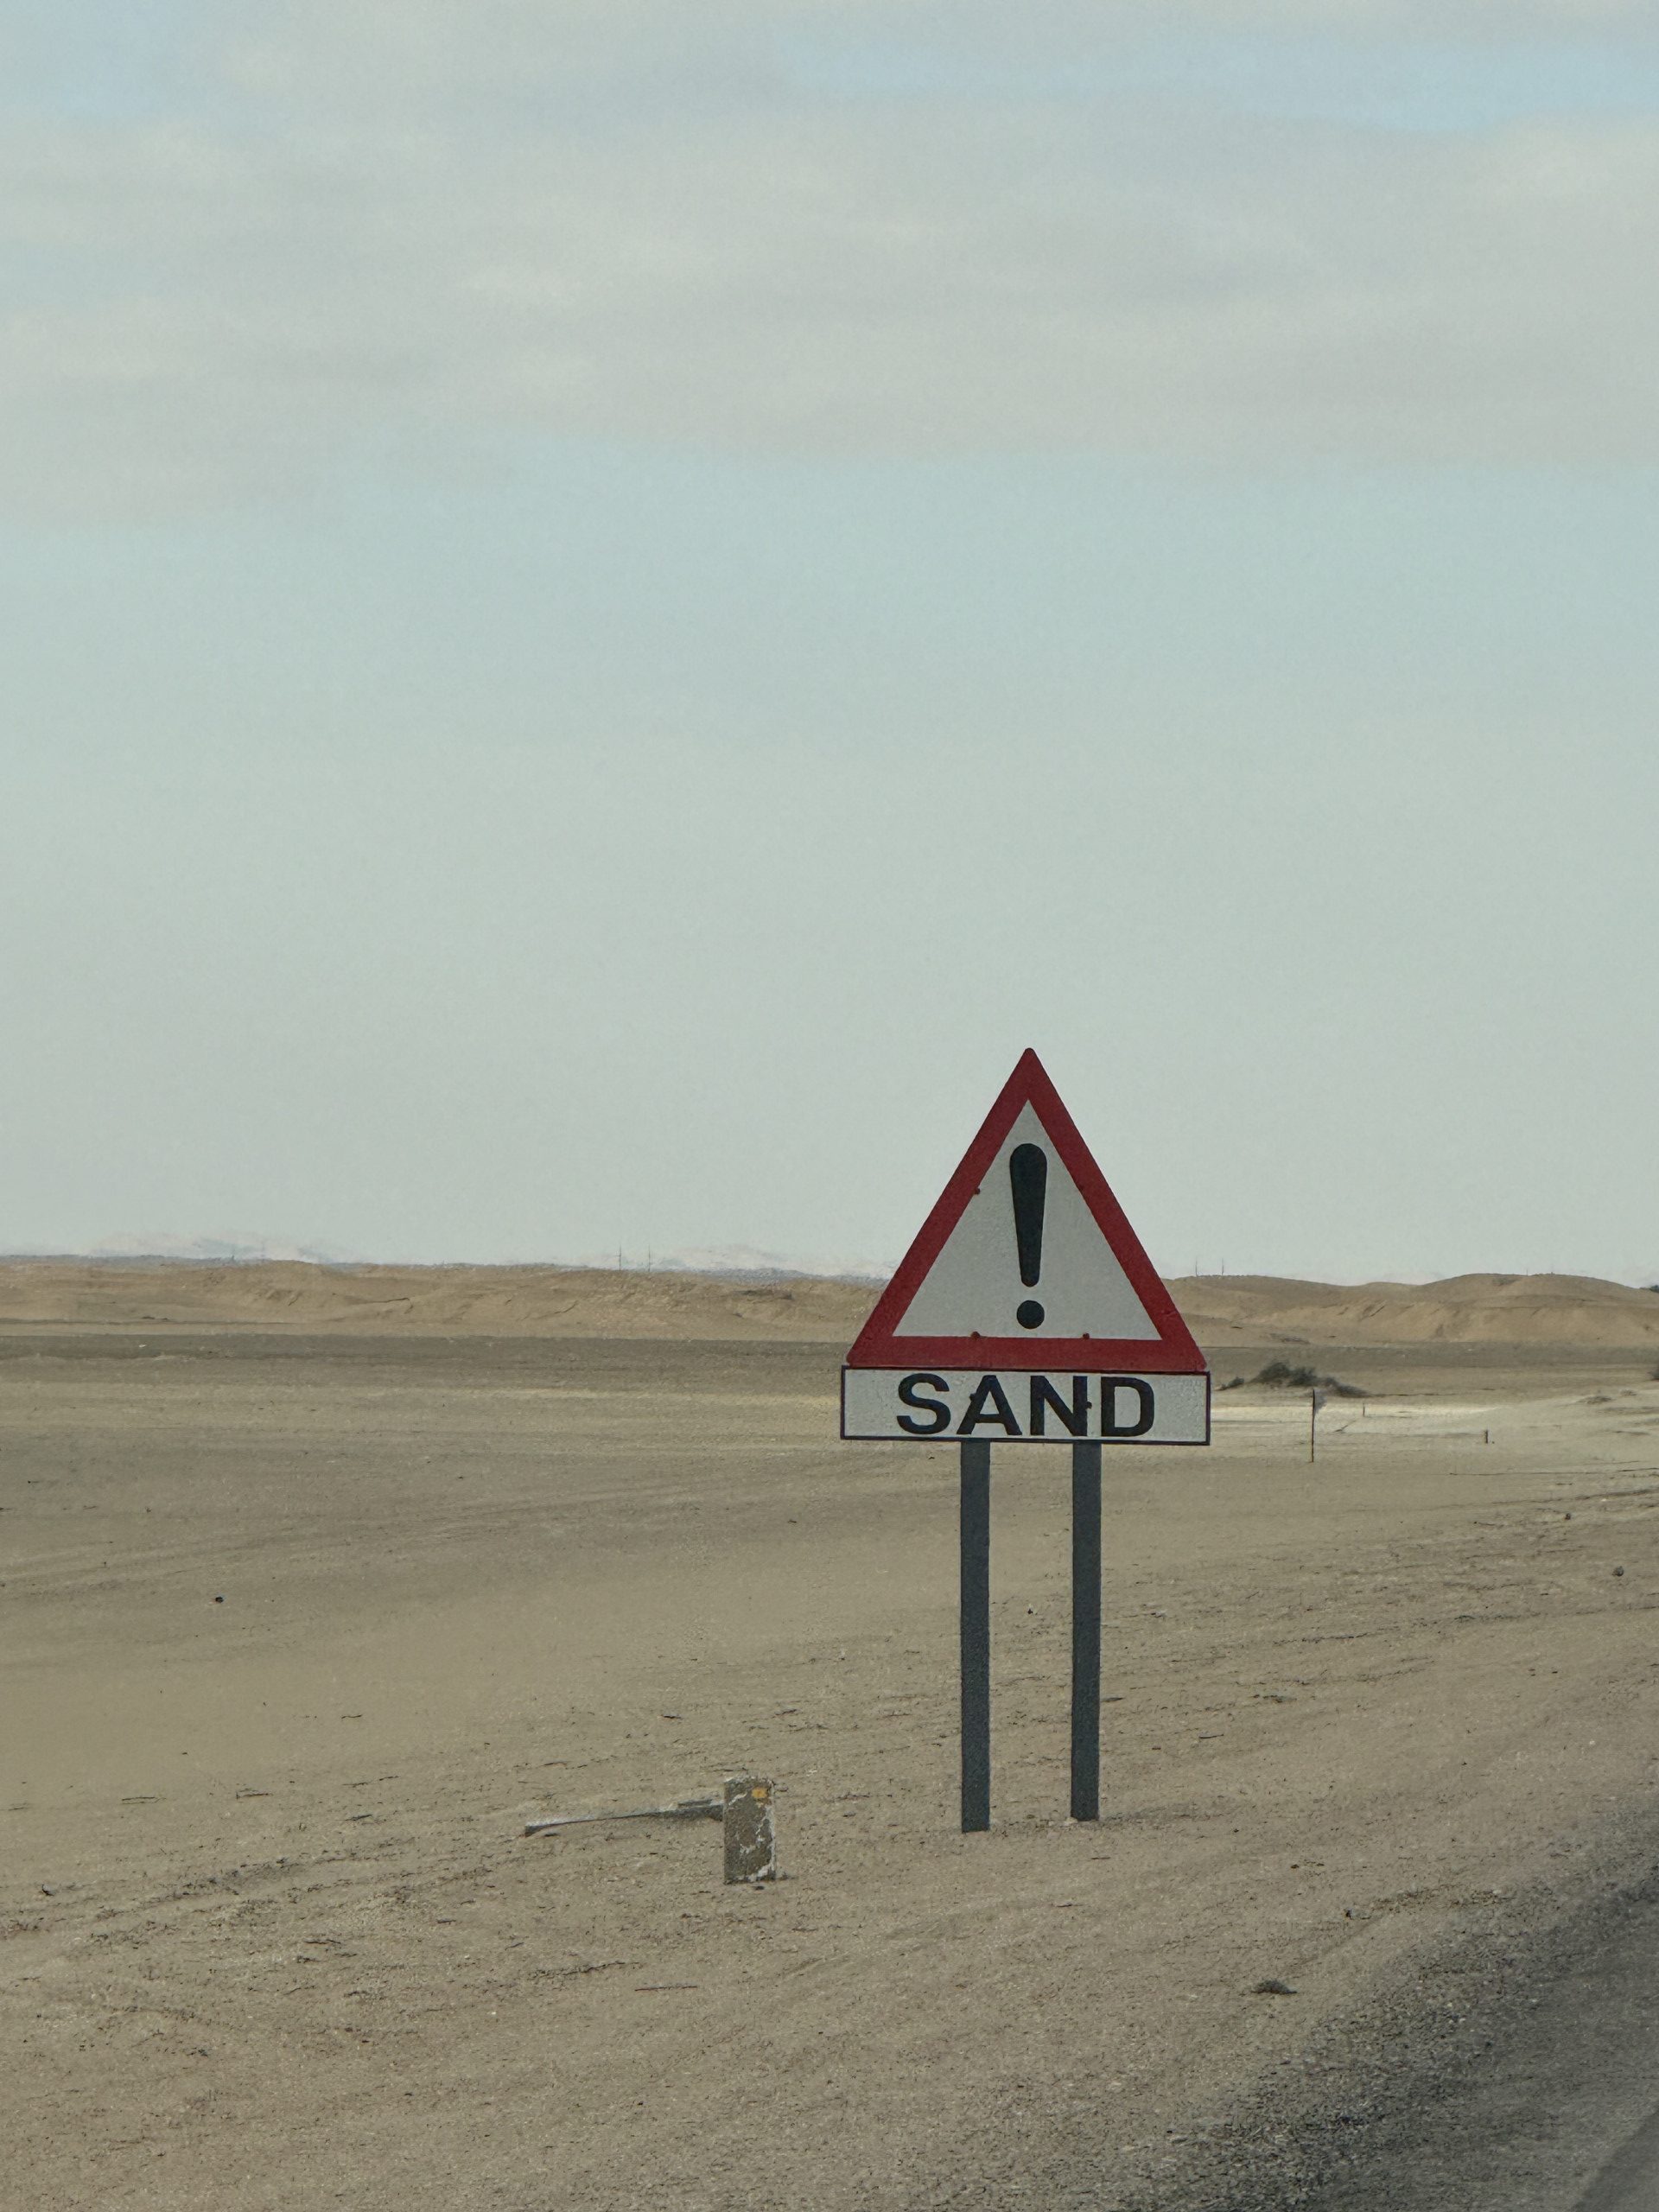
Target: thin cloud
(482,34)
(219,313)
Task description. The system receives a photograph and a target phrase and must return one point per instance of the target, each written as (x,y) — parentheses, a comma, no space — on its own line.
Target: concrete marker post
(750,1833)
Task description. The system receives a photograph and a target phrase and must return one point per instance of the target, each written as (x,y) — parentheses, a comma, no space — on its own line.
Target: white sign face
(1022,1406)
(1072,1285)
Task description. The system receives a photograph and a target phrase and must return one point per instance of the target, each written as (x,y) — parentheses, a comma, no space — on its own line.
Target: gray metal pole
(1085,1631)
(975,1637)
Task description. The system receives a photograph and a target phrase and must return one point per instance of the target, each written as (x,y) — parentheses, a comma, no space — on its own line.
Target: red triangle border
(1173,1351)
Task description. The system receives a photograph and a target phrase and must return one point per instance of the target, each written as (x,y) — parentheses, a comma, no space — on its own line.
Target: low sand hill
(1224,1311)
(302,1296)
(1464,1309)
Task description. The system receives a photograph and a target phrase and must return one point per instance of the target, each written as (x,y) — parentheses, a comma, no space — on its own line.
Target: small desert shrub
(1279,1375)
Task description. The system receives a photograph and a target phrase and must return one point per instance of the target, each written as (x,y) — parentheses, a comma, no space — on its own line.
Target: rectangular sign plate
(934,1405)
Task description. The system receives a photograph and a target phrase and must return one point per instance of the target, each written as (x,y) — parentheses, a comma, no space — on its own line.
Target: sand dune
(440,1301)
(1464,1309)
(547,1301)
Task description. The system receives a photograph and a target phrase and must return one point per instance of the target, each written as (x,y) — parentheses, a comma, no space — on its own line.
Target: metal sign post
(975,1637)
(1027,1311)
(1085,1631)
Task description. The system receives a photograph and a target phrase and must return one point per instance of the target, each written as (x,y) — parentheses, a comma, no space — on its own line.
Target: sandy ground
(297,1632)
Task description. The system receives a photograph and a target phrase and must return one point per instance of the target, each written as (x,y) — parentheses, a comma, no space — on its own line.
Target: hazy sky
(600,620)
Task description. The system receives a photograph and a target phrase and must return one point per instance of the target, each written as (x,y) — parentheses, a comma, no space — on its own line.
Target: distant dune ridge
(1464,1309)
(508,1301)
(551,1301)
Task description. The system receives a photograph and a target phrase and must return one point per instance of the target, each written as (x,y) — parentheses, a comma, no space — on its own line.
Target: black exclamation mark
(1028,1174)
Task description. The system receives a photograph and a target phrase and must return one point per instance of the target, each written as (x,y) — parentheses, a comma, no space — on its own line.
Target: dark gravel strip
(1501,2076)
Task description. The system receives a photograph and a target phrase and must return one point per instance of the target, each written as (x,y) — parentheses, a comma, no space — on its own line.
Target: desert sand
(318,1584)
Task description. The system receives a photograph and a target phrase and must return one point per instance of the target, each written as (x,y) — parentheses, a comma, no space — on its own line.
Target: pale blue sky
(599,627)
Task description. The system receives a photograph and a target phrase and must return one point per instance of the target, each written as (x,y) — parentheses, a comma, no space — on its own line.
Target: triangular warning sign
(1027,1261)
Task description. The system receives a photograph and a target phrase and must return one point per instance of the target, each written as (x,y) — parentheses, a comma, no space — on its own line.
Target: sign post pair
(1027,1311)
